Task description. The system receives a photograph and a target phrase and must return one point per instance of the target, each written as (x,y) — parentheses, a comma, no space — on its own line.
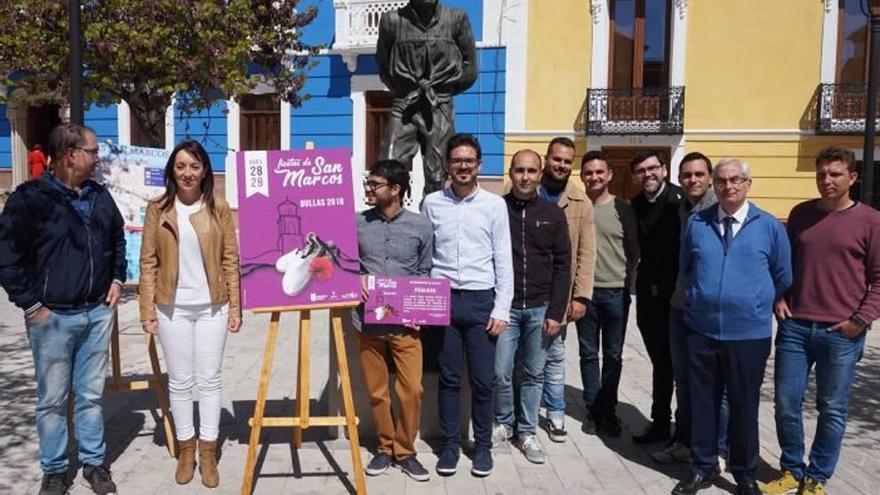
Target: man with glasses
(656,208)
(62,261)
(736,264)
(472,249)
(392,241)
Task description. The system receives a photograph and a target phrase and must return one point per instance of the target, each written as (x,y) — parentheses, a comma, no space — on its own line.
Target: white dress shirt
(739,217)
(472,244)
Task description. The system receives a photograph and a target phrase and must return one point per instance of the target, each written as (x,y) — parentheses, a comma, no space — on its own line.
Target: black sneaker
(447,463)
(482,465)
(54,484)
(378,464)
(655,432)
(589,425)
(413,468)
(99,479)
(556,431)
(609,425)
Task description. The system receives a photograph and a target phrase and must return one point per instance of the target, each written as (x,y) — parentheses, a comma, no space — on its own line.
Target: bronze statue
(426,55)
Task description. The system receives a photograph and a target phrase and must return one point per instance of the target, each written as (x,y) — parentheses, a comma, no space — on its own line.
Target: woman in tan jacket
(189,295)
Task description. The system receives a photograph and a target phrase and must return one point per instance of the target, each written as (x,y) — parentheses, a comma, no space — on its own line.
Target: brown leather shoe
(186,461)
(208,463)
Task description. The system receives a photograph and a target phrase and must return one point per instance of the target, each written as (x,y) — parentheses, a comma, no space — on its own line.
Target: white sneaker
(500,434)
(674,453)
(722,464)
(532,449)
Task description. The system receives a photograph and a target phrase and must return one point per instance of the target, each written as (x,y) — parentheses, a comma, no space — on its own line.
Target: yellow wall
(782,168)
(751,63)
(558,63)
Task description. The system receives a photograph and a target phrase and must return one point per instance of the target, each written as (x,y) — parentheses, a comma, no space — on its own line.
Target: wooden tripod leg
(161,395)
(115,362)
(351,420)
(302,376)
(260,407)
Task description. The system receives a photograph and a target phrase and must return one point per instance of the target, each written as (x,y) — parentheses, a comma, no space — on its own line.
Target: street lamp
(75,41)
(871,114)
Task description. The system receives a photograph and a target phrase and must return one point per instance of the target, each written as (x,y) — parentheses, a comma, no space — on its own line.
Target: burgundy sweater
(836,257)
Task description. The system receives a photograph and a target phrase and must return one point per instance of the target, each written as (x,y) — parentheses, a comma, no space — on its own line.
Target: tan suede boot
(208,463)
(186,461)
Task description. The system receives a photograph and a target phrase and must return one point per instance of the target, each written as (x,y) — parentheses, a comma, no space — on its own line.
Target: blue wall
(104,121)
(208,127)
(323,28)
(326,117)
(5,140)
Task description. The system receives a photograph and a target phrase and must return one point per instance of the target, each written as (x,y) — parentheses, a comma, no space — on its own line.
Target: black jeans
(652,315)
(467,336)
(739,366)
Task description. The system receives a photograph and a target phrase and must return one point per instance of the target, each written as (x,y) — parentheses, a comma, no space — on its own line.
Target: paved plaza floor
(585,464)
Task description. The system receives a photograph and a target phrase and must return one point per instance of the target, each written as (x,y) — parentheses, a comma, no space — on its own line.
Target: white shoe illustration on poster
(314,261)
(296,267)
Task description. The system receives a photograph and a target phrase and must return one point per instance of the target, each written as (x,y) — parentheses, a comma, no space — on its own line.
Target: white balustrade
(357,26)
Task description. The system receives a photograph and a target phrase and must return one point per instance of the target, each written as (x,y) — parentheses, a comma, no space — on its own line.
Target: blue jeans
(554,377)
(70,350)
(606,315)
(681,370)
(524,343)
(800,345)
(466,336)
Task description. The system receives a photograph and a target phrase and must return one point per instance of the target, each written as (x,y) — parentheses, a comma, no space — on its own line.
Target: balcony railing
(842,109)
(634,111)
(357,21)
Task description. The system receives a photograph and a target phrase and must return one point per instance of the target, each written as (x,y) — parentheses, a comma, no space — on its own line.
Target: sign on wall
(297,228)
(133,175)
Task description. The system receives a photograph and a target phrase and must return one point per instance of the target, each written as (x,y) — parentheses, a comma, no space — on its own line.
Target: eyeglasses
(731,181)
(649,169)
(91,151)
(457,162)
(372,185)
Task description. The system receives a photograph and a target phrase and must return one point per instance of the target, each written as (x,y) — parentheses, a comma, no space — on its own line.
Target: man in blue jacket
(736,263)
(62,261)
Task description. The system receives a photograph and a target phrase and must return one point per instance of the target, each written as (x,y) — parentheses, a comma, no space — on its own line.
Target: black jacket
(659,238)
(50,255)
(541,255)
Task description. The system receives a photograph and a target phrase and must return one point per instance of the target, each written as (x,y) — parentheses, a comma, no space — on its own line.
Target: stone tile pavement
(585,464)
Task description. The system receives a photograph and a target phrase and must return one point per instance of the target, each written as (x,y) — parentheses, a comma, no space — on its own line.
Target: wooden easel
(303,419)
(117,383)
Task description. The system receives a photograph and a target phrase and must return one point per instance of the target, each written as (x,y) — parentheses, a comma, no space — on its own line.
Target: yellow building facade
(771,82)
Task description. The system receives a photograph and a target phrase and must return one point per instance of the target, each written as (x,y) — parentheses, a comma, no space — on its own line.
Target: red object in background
(36,162)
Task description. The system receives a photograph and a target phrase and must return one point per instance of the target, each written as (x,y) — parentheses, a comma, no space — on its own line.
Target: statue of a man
(426,55)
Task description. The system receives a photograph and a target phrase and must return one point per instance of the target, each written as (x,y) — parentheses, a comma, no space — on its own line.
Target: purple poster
(297,228)
(407,300)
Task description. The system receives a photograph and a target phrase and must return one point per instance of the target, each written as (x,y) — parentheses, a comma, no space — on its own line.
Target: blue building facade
(334,115)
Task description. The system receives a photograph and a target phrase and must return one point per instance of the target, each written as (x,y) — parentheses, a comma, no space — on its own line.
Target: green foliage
(146,51)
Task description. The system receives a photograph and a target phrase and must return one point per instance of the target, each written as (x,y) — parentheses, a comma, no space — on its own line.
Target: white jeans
(192,339)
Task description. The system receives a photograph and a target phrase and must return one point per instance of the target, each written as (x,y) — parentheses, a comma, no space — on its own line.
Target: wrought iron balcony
(357,26)
(634,111)
(842,108)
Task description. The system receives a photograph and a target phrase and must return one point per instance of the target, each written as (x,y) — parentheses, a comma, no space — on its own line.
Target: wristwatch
(858,320)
